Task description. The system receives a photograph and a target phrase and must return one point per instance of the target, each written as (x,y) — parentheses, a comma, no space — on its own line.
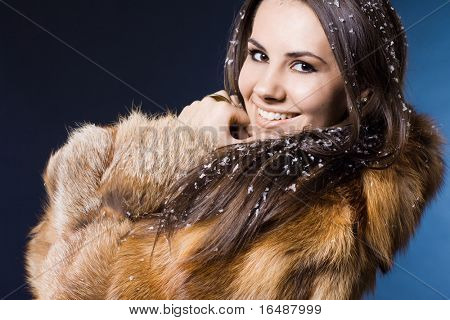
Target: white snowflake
(291,187)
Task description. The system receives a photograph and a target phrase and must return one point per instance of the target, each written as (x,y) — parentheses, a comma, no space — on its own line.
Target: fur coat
(84,247)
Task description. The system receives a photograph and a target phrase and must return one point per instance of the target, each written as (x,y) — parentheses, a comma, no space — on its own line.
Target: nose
(269,88)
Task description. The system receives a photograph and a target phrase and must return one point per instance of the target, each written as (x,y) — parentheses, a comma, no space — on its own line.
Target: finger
(222,93)
(238,131)
(246,140)
(236,101)
(239,116)
(242,133)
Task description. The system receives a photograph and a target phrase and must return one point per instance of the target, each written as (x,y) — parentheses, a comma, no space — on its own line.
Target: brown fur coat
(84,249)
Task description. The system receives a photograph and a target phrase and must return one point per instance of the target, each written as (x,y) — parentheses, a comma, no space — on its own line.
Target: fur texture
(87,247)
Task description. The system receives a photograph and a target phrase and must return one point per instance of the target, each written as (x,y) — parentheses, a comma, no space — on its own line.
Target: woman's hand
(217,118)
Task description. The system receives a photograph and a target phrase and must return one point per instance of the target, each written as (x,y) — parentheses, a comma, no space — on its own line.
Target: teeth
(274,115)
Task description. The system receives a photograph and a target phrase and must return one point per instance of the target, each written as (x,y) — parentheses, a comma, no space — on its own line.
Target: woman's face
(290,72)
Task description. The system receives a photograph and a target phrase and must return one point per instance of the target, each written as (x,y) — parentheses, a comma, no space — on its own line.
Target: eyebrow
(294,54)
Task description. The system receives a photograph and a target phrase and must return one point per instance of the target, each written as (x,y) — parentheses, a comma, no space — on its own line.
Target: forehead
(289,25)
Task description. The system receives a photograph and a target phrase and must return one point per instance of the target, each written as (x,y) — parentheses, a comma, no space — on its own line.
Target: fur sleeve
(72,180)
(150,154)
(72,248)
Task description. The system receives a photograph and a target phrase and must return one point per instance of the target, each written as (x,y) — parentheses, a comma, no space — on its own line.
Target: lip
(268,124)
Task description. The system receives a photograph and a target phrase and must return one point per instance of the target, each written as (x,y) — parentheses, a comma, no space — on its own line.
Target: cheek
(308,96)
(244,81)
(318,95)
(321,104)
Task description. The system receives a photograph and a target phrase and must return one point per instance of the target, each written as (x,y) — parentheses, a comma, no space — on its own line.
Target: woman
(325,180)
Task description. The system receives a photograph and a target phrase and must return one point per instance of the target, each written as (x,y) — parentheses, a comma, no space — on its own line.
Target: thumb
(246,140)
(236,102)
(249,139)
(240,117)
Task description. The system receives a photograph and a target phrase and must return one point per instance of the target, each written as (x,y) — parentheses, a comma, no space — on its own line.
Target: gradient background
(169,53)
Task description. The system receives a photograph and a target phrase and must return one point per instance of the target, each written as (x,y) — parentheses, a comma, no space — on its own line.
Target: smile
(275,115)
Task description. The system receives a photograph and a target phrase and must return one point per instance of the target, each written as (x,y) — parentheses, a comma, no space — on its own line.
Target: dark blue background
(168,54)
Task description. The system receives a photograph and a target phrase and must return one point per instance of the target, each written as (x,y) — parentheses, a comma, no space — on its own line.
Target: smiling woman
(329,184)
(290,71)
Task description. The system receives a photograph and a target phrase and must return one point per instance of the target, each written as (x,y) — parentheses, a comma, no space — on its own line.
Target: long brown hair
(254,187)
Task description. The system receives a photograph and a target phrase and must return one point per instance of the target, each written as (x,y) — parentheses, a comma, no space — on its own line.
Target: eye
(305,67)
(252,53)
